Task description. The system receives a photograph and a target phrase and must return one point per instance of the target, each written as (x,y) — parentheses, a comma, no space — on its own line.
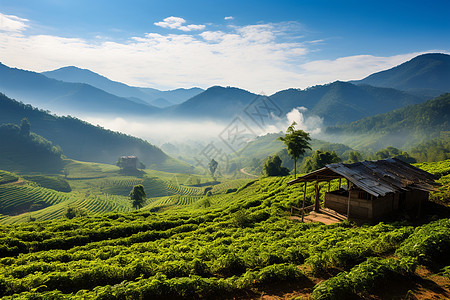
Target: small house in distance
(374,190)
(128,163)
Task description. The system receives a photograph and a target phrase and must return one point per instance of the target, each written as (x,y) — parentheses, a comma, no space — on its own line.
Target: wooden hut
(374,189)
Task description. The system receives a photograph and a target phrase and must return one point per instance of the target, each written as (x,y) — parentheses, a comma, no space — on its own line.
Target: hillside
(427,74)
(215,103)
(141,95)
(404,128)
(341,102)
(63,97)
(241,246)
(83,141)
(22,150)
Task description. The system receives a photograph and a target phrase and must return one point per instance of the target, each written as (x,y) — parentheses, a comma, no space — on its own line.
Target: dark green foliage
(395,153)
(74,212)
(364,277)
(272,167)
(353,157)
(405,127)
(25,127)
(297,142)
(433,150)
(138,196)
(212,166)
(430,244)
(319,160)
(24,151)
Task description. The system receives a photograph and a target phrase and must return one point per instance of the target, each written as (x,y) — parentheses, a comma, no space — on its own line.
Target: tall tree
(213,166)
(297,142)
(138,196)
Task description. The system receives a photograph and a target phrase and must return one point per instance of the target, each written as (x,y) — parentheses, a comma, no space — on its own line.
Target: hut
(374,189)
(128,163)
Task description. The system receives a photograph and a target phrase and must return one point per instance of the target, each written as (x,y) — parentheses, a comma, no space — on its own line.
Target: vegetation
(319,160)
(237,243)
(297,142)
(404,128)
(23,150)
(272,167)
(86,142)
(138,196)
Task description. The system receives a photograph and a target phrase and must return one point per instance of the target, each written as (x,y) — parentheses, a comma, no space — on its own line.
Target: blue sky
(262,46)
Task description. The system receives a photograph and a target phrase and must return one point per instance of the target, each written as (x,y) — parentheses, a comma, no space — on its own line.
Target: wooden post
(317,204)
(348,201)
(340,183)
(329,186)
(303,205)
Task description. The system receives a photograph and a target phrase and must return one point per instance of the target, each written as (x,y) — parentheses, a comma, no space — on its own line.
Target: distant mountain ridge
(64,97)
(427,74)
(150,96)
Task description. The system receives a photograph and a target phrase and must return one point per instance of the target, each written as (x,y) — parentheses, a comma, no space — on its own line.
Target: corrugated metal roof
(379,177)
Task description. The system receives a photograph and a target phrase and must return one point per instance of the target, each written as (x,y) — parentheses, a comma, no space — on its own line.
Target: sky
(261,46)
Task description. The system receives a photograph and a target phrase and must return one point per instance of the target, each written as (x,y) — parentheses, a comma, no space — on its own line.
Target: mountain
(341,102)
(403,128)
(147,95)
(83,141)
(215,103)
(65,98)
(426,74)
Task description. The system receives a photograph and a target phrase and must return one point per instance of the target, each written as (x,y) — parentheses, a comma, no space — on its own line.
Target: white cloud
(229,18)
(254,57)
(10,23)
(177,23)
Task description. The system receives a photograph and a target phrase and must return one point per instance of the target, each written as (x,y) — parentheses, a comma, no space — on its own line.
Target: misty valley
(112,191)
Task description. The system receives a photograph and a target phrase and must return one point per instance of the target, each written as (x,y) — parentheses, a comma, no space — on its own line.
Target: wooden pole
(329,186)
(303,205)
(340,183)
(317,204)
(348,201)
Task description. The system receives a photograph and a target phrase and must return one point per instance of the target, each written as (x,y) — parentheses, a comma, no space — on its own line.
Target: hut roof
(379,177)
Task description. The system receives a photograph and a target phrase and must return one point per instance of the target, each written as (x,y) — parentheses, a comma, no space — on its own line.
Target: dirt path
(248,174)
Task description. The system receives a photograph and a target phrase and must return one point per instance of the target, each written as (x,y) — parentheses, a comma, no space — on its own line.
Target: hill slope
(405,127)
(341,102)
(27,151)
(147,95)
(427,73)
(64,97)
(83,141)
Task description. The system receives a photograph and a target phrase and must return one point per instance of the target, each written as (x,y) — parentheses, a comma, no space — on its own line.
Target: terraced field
(6,177)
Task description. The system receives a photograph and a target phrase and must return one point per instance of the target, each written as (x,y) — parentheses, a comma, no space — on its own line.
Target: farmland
(240,245)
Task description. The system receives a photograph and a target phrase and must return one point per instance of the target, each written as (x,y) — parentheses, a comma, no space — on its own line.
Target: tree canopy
(272,167)
(138,196)
(319,160)
(297,142)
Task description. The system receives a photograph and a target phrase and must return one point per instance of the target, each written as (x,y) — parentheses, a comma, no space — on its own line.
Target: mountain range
(427,74)
(140,95)
(71,90)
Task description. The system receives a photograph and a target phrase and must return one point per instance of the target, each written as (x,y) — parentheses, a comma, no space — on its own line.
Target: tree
(138,196)
(297,142)
(396,153)
(212,166)
(25,127)
(272,167)
(354,157)
(319,160)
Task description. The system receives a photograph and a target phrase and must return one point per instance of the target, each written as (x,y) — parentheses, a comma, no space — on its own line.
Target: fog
(159,131)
